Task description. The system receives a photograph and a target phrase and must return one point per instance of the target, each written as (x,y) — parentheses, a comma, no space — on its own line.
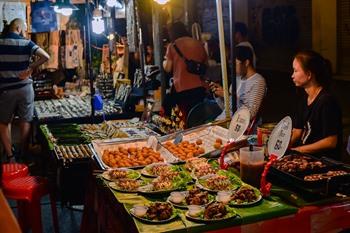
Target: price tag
(239,123)
(280,137)
(152,142)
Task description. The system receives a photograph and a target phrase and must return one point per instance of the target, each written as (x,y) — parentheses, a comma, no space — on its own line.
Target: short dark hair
(177,30)
(241,28)
(320,67)
(244,53)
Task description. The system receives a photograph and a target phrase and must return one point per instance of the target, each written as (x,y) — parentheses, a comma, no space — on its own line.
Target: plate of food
(246,195)
(126,185)
(215,211)
(157,169)
(120,173)
(192,163)
(154,213)
(192,197)
(217,182)
(202,170)
(167,183)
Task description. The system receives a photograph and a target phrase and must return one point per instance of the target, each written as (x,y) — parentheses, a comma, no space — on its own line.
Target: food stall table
(107,211)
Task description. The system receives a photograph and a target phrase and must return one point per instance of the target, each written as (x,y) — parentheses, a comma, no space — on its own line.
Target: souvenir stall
(63,90)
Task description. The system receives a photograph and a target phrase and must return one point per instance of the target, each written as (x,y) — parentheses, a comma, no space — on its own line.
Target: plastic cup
(140,210)
(177,197)
(251,164)
(224,196)
(195,210)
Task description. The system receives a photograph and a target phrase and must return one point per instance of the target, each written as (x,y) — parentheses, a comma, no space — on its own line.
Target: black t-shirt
(319,120)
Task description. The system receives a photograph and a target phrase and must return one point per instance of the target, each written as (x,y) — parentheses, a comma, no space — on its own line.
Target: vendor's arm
(167,65)
(255,97)
(296,135)
(327,143)
(168,60)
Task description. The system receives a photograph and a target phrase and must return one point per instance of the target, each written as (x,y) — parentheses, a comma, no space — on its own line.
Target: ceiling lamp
(162,2)
(64,7)
(115,3)
(98,24)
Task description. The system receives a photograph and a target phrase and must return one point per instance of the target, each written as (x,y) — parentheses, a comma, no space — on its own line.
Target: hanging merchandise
(52,63)
(10,11)
(73,54)
(98,24)
(122,93)
(131,25)
(105,59)
(43,17)
(50,43)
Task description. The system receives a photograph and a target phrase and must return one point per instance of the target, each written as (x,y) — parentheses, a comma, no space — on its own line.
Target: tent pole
(223,58)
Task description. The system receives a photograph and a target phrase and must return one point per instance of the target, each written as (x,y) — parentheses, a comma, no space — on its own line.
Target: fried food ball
(219,141)
(199,142)
(217,145)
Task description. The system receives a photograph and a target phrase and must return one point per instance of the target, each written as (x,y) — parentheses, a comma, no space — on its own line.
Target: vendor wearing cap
(317,127)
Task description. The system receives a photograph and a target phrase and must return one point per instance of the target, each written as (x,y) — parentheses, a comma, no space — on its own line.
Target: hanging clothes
(53,50)
(73,49)
(50,43)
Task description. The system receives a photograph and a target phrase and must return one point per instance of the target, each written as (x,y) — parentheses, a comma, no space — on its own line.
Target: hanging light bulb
(162,2)
(98,24)
(64,7)
(112,3)
(66,11)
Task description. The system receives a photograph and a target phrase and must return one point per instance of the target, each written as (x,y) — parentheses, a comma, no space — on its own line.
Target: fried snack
(184,150)
(131,157)
(217,145)
(219,141)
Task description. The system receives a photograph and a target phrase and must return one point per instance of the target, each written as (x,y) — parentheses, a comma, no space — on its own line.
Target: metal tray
(324,186)
(99,146)
(76,157)
(208,134)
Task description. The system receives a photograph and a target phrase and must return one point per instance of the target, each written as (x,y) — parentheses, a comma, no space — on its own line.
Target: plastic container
(195,210)
(251,164)
(140,210)
(224,196)
(177,197)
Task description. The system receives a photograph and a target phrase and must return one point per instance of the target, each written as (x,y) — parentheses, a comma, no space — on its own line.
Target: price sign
(239,123)
(280,137)
(152,142)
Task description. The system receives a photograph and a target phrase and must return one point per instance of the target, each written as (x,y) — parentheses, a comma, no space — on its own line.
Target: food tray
(73,153)
(207,134)
(324,186)
(101,145)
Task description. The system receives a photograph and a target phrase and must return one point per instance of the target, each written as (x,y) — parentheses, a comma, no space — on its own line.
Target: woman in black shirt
(317,125)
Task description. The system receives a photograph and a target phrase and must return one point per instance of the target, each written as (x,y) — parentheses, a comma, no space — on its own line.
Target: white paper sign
(280,137)
(152,142)
(239,123)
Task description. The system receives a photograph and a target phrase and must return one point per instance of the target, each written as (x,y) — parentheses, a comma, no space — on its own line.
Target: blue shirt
(15,54)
